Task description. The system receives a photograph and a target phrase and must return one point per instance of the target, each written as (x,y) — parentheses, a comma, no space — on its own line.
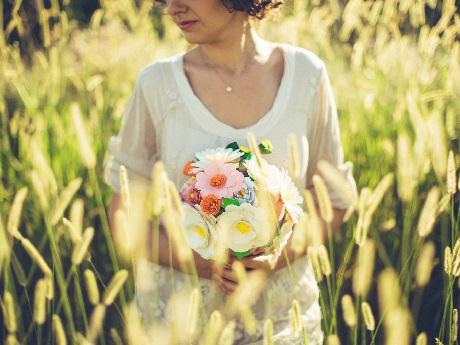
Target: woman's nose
(175,6)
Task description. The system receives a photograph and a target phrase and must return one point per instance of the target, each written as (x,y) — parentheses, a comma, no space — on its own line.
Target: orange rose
(210,204)
(187,169)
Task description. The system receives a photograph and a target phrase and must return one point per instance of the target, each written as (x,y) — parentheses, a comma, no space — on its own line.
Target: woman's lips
(186,25)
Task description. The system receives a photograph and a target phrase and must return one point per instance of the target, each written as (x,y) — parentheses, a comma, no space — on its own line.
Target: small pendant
(228,89)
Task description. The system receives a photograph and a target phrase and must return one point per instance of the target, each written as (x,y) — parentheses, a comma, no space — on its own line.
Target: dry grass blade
(114,287)
(91,287)
(39,188)
(314,260)
(368,316)
(362,227)
(5,248)
(116,338)
(454,326)
(333,339)
(96,322)
(428,214)
(228,334)
(456,259)
(389,292)
(349,314)
(11,340)
(249,320)
(15,213)
(86,152)
(76,217)
(448,260)
(36,256)
(338,182)
(422,339)
(294,158)
(64,199)
(9,315)
(324,262)
(295,319)
(39,314)
(268,332)
(81,248)
(425,264)
(124,183)
(451,178)
(362,274)
(325,205)
(59,333)
(74,236)
(213,329)
(379,192)
(158,188)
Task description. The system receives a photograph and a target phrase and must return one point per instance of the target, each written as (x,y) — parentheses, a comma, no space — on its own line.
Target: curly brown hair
(255,8)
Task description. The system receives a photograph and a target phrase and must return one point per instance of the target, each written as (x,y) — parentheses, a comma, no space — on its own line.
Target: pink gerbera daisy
(220,179)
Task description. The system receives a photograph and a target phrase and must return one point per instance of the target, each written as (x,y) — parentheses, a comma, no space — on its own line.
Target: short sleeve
(324,140)
(134,146)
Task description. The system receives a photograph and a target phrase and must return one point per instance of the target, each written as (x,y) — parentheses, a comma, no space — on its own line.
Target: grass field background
(396,80)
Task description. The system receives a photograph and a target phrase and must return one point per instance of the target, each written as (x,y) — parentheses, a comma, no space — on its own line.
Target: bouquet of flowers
(220,201)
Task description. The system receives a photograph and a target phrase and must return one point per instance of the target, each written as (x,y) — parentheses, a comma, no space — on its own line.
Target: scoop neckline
(206,119)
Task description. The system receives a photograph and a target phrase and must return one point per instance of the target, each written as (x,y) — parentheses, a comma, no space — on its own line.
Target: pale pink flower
(189,194)
(220,179)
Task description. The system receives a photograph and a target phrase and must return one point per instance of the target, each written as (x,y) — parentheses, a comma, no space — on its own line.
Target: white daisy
(244,227)
(289,195)
(278,182)
(200,231)
(220,154)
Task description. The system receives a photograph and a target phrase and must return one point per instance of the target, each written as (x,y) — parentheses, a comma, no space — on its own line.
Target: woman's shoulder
(154,72)
(305,56)
(306,61)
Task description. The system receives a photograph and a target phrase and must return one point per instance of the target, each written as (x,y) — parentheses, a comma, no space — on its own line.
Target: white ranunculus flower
(200,231)
(244,227)
(220,154)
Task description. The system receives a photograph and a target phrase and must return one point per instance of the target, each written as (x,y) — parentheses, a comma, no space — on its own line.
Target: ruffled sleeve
(134,146)
(324,140)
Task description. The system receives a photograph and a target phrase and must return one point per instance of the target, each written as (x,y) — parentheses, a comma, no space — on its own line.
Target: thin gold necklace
(228,87)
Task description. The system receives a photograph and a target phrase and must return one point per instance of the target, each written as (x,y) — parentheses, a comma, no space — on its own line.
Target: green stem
(57,268)
(81,303)
(106,228)
(355,328)
(341,272)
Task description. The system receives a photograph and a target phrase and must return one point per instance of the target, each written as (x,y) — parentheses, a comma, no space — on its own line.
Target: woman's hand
(226,278)
(265,262)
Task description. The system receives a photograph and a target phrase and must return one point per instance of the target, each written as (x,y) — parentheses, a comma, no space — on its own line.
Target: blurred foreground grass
(397,85)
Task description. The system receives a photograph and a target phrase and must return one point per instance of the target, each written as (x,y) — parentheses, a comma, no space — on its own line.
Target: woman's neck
(236,51)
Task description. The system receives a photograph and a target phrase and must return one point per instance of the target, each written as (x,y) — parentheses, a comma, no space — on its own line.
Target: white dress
(165,120)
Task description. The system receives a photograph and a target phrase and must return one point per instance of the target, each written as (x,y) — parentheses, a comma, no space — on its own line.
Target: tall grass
(392,276)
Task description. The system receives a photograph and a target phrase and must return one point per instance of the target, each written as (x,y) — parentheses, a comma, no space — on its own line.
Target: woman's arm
(164,256)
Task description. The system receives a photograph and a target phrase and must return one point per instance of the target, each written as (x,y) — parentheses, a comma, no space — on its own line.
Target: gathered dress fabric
(165,120)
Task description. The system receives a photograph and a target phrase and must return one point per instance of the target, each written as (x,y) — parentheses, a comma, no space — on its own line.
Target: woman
(230,83)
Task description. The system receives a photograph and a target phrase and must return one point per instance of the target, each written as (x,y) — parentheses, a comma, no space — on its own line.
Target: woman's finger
(229,286)
(229,275)
(250,263)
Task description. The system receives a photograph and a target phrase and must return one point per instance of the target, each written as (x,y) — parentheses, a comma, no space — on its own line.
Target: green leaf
(247,155)
(265,147)
(240,255)
(234,146)
(229,201)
